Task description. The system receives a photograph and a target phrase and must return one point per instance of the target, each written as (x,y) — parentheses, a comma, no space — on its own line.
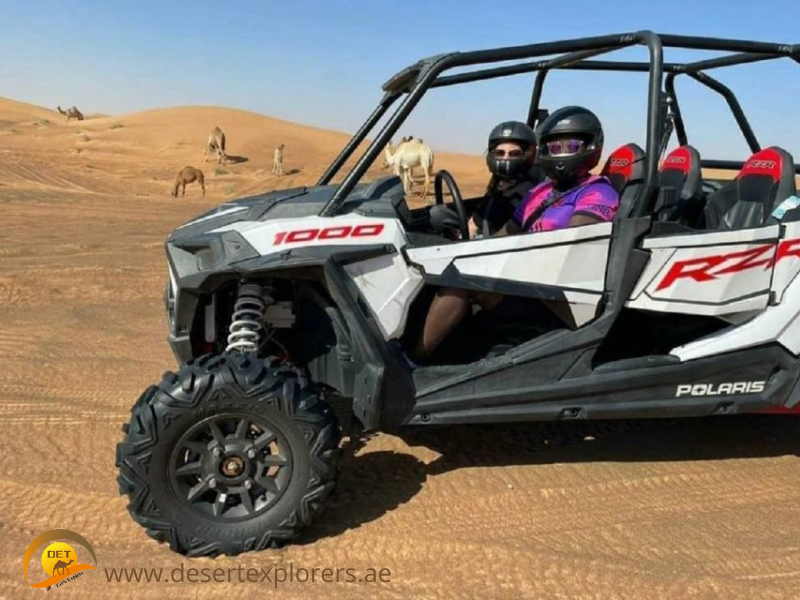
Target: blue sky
(323,63)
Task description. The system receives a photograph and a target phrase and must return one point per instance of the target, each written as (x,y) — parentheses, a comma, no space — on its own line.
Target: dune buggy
(284,308)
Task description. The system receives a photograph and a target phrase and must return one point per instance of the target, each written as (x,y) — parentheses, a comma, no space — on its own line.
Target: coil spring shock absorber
(248,318)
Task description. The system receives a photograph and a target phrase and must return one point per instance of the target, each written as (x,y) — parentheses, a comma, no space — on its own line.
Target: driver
(509,156)
(570,145)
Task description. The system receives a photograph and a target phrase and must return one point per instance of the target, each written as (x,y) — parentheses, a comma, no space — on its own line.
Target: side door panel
(708,273)
(779,322)
(567,265)
(787,261)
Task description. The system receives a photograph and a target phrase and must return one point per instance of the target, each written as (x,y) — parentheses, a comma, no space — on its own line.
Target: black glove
(444,219)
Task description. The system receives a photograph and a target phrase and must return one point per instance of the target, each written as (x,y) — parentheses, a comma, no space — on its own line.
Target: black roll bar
(641,205)
(554,63)
(536,97)
(727,61)
(357,138)
(733,104)
(416,79)
(723,44)
(428,73)
(680,128)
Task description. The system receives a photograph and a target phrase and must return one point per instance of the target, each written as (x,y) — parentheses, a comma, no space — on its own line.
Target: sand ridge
(140,153)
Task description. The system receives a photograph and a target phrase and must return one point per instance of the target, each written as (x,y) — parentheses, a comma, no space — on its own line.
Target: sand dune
(14,111)
(140,153)
(656,510)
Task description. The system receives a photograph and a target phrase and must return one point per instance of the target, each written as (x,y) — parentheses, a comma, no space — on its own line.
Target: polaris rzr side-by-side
(286,310)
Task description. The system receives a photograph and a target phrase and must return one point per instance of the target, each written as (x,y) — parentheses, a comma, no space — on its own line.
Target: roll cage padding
(625,169)
(766,180)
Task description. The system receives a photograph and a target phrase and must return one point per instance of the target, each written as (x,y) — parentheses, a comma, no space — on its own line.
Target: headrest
(681,171)
(624,165)
(770,170)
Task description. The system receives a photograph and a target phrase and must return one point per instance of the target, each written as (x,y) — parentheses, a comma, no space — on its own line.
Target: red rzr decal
(709,268)
(788,248)
(328,233)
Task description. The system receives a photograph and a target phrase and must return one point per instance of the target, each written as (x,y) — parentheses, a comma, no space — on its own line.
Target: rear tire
(231,454)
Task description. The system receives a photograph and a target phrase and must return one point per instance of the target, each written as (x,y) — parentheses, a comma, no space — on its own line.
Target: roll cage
(663,110)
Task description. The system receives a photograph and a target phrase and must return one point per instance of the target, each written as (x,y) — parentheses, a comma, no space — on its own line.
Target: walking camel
(277,161)
(216,143)
(393,148)
(71,113)
(407,155)
(62,566)
(188,175)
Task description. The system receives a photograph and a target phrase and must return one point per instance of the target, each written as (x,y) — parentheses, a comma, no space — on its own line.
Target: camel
(216,143)
(405,138)
(62,566)
(277,161)
(71,113)
(188,175)
(407,155)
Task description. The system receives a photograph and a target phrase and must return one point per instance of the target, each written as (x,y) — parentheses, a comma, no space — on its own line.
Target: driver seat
(625,168)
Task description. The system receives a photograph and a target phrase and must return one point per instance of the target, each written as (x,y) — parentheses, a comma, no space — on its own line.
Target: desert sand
(663,509)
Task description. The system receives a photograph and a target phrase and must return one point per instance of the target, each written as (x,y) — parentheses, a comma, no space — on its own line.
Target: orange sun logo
(59,560)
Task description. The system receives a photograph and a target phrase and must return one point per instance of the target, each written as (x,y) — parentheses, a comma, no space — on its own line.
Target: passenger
(569,147)
(509,156)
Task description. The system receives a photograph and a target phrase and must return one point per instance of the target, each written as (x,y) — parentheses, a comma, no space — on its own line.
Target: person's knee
(453,293)
(488,300)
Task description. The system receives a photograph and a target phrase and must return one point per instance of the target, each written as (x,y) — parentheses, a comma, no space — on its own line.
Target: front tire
(231,454)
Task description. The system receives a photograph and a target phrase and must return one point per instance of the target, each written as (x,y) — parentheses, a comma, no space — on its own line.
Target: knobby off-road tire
(256,428)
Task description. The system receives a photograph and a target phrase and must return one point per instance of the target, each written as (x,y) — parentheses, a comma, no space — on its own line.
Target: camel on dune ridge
(71,113)
(185,176)
(277,160)
(216,143)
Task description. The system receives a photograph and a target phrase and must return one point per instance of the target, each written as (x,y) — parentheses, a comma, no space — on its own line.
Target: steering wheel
(445,176)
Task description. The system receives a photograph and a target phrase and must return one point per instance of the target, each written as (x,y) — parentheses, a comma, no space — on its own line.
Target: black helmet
(570,164)
(511,168)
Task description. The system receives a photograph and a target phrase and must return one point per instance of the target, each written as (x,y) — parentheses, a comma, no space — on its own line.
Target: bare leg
(488,300)
(447,309)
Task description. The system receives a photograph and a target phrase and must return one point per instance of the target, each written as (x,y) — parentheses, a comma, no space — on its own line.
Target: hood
(376,198)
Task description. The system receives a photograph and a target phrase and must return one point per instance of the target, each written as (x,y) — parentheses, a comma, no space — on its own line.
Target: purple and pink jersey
(594,197)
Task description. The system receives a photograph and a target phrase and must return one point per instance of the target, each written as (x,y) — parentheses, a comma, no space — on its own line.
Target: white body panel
(389,286)
(709,273)
(268,237)
(780,322)
(573,260)
(787,261)
(386,282)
